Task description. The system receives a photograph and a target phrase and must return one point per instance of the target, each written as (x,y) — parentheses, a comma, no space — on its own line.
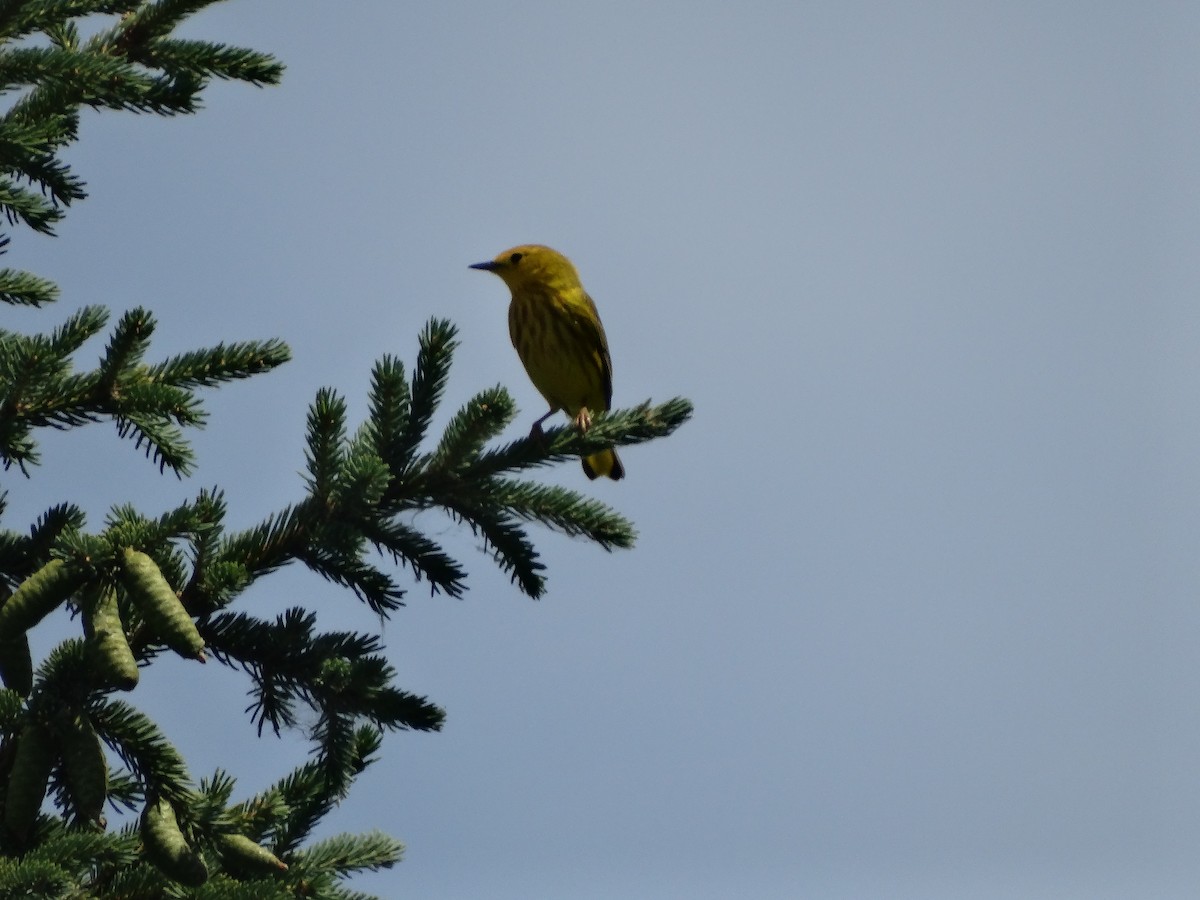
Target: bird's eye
(515,258)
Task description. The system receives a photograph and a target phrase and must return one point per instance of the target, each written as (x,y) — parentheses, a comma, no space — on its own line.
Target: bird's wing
(595,337)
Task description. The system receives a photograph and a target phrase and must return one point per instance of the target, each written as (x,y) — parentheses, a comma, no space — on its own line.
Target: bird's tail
(606,462)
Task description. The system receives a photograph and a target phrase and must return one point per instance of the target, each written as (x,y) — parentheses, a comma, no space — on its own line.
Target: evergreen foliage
(145,584)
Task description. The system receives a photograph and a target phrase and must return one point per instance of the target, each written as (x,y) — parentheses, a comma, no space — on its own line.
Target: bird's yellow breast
(560,341)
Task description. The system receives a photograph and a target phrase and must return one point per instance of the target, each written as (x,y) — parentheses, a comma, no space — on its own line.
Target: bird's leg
(536,430)
(583,421)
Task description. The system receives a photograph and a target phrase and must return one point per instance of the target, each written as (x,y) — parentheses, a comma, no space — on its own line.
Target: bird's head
(532,265)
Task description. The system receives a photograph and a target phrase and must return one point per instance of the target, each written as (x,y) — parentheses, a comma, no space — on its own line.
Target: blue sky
(913,608)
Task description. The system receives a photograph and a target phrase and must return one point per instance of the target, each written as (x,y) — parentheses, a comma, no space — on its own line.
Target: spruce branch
(145,750)
(125,792)
(163,441)
(407,546)
(126,346)
(219,364)
(19,447)
(269,545)
(153,20)
(50,527)
(271,653)
(307,795)
(76,330)
(510,546)
(348,854)
(623,427)
(338,672)
(363,479)
(363,491)
(479,421)
(371,586)
(21,17)
(19,288)
(27,151)
(100,80)
(36,878)
(23,66)
(437,344)
(26,289)
(52,105)
(133,65)
(325,439)
(389,400)
(141,880)
(204,59)
(63,34)
(149,404)
(566,511)
(12,706)
(23,205)
(76,852)
(61,680)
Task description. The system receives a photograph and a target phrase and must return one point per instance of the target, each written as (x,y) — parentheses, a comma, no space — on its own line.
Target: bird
(556,331)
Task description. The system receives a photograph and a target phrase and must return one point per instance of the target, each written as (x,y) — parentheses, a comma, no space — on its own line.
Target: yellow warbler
(554,325)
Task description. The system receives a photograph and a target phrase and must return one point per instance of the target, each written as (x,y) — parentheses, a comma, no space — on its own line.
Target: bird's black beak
(488,266)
